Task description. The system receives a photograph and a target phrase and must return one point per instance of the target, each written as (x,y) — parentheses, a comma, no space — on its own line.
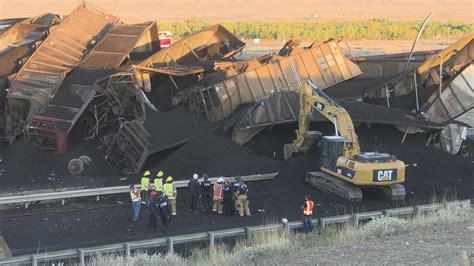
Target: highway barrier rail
(126,248)
(97,192)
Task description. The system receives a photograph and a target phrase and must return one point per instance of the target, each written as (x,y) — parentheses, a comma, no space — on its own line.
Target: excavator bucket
(288,151)
(300,146)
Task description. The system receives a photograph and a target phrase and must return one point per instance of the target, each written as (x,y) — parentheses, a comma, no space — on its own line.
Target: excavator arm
(311,97)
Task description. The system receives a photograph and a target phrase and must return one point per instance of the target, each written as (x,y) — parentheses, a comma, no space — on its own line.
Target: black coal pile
(430,171)
(216,154)
(170,128)
(24,167)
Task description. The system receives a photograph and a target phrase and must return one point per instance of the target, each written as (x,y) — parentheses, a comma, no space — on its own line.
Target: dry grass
(271,245)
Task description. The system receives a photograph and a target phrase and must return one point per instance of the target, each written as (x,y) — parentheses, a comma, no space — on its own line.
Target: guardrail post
(127,249)
(356,220)
(82,259)
(211,239)
(34,260)
(248,232)
(63,201)
(322,224)
(287,227)
(170,245)
(97,198)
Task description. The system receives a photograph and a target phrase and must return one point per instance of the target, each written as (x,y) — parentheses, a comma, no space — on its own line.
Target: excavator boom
(344,169)
(311,97)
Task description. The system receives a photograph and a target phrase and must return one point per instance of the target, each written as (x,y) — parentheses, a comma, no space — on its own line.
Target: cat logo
(385,175)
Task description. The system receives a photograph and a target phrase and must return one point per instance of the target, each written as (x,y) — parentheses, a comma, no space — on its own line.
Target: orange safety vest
(217,192)
(308,208)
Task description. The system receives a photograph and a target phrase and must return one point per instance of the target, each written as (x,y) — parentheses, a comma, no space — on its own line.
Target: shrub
(383,226)
(373,29)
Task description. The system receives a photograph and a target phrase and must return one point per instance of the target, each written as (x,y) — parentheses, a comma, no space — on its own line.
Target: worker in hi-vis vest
(308,214)
(170,191)
(136,202)
(159,181)
(145,182)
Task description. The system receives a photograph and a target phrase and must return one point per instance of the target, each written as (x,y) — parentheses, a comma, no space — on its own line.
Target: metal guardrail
(334,220)
(366,216)
(97,192)
(127,247)
(428,208)
(399,211)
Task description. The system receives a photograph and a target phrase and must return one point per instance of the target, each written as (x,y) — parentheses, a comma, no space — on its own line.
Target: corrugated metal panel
(447,53)
(325,64)
(43,73)
(116,45)
(455,99)
(204,44)
(283,108)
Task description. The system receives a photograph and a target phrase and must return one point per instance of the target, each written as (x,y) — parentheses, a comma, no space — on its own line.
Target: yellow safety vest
(144,182)
(169,190)
(134,196)
(159,184)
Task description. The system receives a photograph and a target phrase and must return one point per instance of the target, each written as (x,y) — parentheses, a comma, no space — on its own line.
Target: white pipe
(416,91)
(416,39)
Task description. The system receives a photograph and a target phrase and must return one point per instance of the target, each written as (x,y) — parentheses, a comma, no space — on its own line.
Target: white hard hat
(220,180)
(195,176)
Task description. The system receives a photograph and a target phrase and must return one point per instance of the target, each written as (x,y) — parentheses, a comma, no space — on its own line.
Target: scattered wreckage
(440,89)
(90,69)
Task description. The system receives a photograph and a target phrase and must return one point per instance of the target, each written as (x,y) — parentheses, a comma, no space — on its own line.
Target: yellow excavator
(344,169)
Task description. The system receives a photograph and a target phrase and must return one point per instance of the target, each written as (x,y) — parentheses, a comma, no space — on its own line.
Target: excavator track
(332,184)
(394,192)
(350,192)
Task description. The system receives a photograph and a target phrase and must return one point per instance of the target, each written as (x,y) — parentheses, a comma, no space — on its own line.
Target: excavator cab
(331,148)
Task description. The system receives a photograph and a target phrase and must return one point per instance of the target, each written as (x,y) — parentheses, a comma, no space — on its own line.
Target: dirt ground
(440,244)
(225,10)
